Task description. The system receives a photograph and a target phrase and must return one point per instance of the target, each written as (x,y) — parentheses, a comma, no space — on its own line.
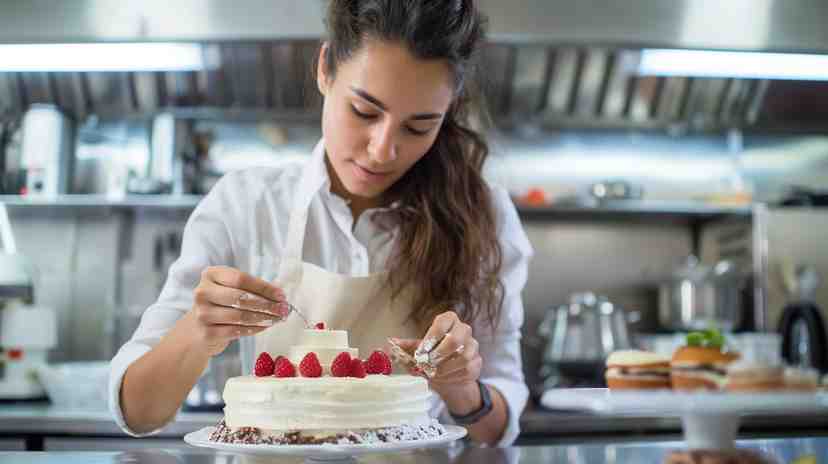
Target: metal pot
(589,328)
(698,297)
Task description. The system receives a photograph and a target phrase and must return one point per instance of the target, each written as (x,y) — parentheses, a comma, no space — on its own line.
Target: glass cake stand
(710,420)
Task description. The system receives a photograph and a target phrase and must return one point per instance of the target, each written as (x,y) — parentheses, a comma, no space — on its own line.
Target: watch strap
(474,416)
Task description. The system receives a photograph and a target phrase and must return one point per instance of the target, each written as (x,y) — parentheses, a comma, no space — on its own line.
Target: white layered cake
(344,409)
(325,403)
(327,344)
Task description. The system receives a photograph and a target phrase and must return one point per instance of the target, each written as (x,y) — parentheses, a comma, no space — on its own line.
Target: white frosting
(327,344)
(326,403)
(325,338)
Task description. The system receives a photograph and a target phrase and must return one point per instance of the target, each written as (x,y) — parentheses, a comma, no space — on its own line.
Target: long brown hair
(447,243)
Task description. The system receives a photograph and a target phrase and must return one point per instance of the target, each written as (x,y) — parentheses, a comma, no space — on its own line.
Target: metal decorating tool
(251,299)
(294,309)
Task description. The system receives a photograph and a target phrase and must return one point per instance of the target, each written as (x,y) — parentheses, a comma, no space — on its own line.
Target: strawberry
(341,365)
(264,365)
(357,368)
(284,368)
(320,326)
(310,367)
(378,363)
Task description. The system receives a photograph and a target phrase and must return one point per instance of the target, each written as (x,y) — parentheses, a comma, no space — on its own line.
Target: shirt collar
(315,174)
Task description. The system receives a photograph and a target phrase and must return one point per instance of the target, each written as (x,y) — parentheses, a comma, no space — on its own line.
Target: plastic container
(76,385)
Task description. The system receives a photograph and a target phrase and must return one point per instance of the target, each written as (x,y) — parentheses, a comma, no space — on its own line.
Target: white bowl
(76,385)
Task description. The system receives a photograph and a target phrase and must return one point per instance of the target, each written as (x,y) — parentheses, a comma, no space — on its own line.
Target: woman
(388,230)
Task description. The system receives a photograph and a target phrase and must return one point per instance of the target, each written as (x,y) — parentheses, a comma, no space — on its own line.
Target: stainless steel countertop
(780,450)
(43,419)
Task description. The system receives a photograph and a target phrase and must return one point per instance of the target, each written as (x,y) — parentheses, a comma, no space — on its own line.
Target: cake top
(322,352)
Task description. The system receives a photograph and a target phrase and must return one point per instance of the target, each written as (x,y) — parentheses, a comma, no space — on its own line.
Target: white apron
(361,305)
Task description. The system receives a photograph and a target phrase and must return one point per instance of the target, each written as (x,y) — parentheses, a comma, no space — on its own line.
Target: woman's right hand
(230,303)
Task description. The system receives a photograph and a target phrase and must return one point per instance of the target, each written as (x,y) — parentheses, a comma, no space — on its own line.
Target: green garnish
(711,338)
(695,339)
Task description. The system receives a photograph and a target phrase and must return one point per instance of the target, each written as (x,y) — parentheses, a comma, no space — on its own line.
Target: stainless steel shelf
(627,208)
(85,201)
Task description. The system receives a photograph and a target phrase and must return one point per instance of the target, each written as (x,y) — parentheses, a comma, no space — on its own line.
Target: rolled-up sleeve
(500,348)
(207,241)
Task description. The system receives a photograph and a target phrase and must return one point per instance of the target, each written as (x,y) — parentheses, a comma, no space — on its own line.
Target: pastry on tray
(702,363)
(747,376)
(803,379)
(635,370)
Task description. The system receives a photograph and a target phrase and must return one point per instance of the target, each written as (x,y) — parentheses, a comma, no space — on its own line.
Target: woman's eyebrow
(376,102)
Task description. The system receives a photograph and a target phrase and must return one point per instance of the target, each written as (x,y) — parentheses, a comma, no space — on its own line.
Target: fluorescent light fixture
(78,57)
(751,65)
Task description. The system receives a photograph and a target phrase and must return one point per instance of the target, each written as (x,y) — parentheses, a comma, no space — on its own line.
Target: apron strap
(290,268)
(309,185)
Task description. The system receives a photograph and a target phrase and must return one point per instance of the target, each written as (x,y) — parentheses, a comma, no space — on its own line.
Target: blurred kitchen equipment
(170,144)
(15,270)
(579,336)
(804,196)
(589,328)
(616,190)
(11,177)
(699,297)
(206,393)
(801,324)
(27,332)
(46,150)
(76,385)
(108,154)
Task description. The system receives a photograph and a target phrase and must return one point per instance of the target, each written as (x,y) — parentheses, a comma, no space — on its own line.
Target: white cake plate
(326,453)
(710,420)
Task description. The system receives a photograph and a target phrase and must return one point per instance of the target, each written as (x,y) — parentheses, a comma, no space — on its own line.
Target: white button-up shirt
(244,220)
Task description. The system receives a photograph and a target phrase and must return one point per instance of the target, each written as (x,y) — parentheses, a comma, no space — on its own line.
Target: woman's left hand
(456,355)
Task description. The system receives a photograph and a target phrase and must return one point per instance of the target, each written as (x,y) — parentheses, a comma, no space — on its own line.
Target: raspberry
(341,365)
(320,325)
(378,363)
(310,367)
(284,368)
(264,365)
(357,368)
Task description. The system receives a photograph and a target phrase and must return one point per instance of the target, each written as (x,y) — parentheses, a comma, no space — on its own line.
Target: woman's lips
(368,175)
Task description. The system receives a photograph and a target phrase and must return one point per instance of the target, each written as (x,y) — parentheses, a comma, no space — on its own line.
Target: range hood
(549,64)
(776,25)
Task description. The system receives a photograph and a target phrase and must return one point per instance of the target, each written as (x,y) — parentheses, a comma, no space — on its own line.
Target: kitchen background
(619,173)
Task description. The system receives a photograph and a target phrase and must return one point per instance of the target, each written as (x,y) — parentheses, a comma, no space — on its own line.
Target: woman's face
(381,114)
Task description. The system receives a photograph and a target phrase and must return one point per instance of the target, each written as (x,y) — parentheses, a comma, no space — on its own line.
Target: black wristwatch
(475,416)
